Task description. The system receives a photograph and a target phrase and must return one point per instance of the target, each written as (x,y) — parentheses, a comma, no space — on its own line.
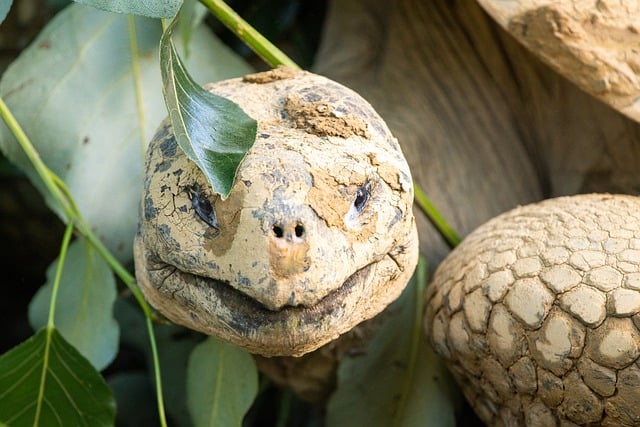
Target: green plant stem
(252,38)
(61,193)
(435,217)
(56,280)
(50,320)
(156,372)
(43,171)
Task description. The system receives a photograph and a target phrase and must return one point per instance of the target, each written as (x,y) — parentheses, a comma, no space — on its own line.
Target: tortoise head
(316,236)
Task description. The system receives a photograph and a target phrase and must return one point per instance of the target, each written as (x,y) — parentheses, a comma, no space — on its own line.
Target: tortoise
(318,235)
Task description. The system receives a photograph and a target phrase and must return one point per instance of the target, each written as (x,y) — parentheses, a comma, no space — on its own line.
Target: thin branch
(249,35)
(435,217)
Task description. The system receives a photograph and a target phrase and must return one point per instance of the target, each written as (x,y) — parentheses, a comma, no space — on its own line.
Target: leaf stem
(249,35)
(156,372)
(59,267)
(50,321)
(435,217)
(43,171)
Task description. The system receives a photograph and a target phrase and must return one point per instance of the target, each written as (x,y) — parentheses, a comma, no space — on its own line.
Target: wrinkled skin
(316,235)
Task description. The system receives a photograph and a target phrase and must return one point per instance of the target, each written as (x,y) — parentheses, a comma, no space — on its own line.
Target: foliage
(46,381)
(84,310)
(222,383)
(150,8)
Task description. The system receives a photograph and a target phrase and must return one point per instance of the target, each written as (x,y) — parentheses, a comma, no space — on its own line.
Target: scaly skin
(316,236)
(537,313)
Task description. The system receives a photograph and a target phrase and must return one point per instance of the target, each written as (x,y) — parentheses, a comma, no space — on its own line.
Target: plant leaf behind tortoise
(84,305)
(148,8)
(213,131)
(222,382)
(45,381)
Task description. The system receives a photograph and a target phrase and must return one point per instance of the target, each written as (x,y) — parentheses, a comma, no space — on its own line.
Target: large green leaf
(213,131)
(74,92)
(397,380)
(222,382)
(149,8)
(84,305)
(45,382)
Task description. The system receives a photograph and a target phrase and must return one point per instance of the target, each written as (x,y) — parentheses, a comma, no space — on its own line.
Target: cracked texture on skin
(537,313)
(293,264)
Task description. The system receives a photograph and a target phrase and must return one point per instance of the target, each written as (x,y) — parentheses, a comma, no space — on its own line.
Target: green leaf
(397,380)
(222,382)
(191,15)
(45,381)
(84,305)
(83,114)
(213,131)
(5,5)
(148,8)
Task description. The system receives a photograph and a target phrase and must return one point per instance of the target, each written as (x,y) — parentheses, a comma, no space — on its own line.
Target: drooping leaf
(213,131)
(83,115)
(5,6)
(84,305)
(148,8)
(73,392)
(397,380)
(222,382)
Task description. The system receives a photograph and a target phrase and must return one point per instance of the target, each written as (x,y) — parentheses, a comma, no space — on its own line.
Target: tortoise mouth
(248,314)
(215,307)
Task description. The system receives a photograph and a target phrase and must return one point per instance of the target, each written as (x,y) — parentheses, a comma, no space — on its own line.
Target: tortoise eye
(362,197)
(202,206)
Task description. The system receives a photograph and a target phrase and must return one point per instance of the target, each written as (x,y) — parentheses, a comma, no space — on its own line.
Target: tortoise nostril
(288,231)
(278,231)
